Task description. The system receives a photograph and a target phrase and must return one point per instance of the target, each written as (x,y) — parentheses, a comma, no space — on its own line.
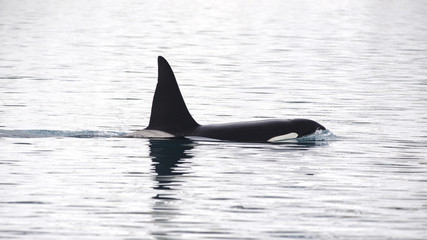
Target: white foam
(318,136)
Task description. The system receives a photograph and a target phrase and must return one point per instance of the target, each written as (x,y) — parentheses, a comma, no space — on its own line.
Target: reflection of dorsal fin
(169,112)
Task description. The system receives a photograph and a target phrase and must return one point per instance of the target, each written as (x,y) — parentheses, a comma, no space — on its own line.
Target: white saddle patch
(283,138)
(150,134)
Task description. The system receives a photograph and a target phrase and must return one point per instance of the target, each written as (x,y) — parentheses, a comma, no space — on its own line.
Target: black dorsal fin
(169,112)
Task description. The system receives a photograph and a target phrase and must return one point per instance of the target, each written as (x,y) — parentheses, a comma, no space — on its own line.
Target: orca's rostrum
(171,118)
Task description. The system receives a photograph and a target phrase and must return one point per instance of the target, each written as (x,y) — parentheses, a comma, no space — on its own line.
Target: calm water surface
(75,75)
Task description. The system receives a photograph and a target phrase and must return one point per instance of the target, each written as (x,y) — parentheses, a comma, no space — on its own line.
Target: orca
(170,118)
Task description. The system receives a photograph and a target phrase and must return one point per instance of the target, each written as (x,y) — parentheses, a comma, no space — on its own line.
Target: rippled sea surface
(76,75)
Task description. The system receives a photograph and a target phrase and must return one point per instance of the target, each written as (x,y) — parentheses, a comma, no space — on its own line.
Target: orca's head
(305,127)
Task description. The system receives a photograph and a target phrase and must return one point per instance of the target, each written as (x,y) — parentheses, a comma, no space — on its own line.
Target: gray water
(76,75)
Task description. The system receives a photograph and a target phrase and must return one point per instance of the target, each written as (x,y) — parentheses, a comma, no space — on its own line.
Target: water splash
(318,136)
(58,133)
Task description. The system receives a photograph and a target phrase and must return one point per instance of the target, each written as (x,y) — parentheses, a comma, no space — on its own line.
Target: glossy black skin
(170,114)
(257,131)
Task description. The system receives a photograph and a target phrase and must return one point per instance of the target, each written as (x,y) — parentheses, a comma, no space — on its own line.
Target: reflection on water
(169,160)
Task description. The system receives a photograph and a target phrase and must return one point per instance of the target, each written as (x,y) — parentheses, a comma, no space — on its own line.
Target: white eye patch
(283,138)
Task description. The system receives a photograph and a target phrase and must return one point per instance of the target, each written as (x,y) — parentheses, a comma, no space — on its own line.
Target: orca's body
(171,118)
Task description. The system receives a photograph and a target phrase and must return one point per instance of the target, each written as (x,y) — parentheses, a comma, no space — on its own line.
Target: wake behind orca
(170,118)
